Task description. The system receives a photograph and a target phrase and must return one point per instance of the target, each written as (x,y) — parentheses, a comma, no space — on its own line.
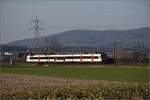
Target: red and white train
(64,58)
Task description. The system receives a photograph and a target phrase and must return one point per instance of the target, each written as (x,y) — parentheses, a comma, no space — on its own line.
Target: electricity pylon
(36,26)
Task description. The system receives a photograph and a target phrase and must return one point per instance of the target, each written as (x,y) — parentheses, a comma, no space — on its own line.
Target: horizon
(79,30)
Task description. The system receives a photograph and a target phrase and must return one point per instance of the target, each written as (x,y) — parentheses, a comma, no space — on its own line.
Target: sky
(63,15)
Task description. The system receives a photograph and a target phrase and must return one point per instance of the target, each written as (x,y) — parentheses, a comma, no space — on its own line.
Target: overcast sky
(59,16)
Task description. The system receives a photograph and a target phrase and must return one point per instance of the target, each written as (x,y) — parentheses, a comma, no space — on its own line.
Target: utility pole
(48,52)
(2,51)
(48,49)
(114,54)
(36,27)
(144,53)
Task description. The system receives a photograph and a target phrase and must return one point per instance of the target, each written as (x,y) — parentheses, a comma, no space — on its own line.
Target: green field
(92,72)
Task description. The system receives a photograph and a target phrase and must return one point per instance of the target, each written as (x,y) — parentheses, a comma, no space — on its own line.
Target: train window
(72,57)
(78,57)
(59,58)
(41,57)
(89,57)
(34,57)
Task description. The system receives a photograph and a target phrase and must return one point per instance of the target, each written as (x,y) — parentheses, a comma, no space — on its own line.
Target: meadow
(74,82)
(91,72)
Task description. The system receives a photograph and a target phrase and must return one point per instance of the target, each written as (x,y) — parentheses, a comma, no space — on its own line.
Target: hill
(91,38)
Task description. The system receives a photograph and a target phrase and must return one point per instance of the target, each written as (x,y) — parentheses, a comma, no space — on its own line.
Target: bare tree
(53,44)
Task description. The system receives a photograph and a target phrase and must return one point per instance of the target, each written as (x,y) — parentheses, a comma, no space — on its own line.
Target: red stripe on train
(92,58)
(81,59)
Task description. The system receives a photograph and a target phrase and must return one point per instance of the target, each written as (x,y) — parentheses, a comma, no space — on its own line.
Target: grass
(90,72)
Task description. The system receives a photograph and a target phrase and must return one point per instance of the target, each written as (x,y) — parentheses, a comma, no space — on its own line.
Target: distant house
(10,54)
